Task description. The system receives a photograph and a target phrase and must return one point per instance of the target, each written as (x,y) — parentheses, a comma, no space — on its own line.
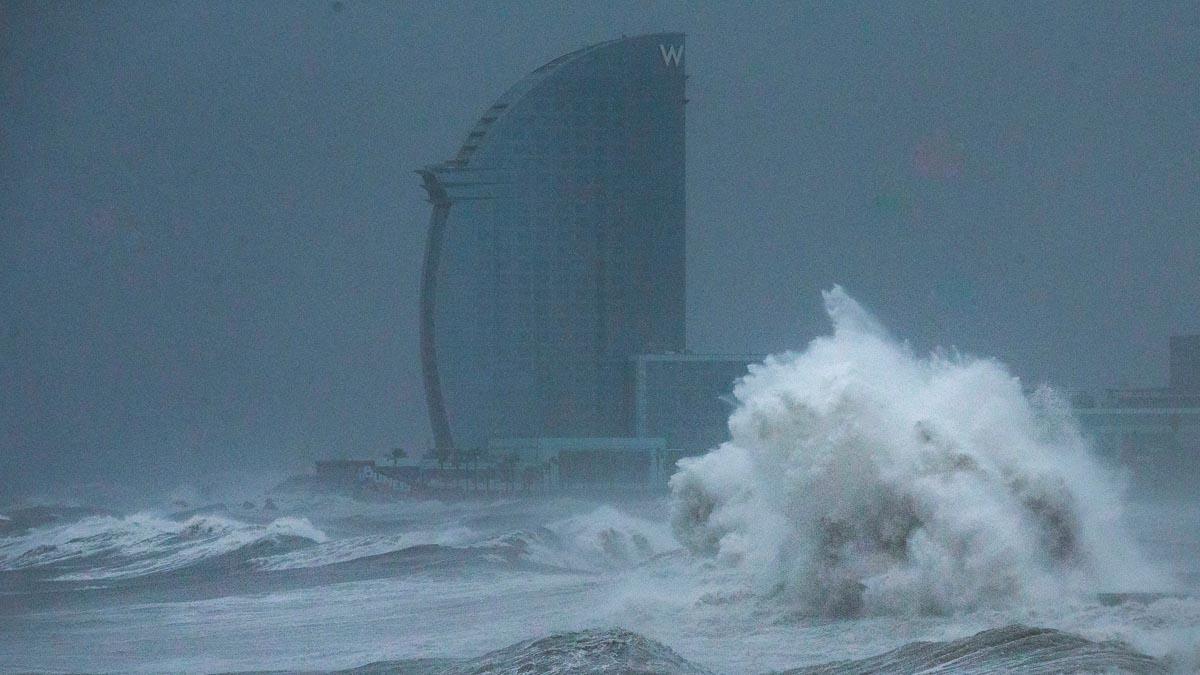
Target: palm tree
(397,454)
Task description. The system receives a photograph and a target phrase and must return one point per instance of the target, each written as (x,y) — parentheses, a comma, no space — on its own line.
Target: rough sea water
(874,511)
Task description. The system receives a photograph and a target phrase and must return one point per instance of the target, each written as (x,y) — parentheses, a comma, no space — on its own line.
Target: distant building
(1155,431)
(1183,389)
(686,398)
(1185,364)
(406,473)
(1152,397)
(1160,445)
(555,249)
(342,472)
(583,463)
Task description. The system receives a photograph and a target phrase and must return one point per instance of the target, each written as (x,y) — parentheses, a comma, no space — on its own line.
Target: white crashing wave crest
(601,539)
(107,547)
(604,538)
(356,548)
(862,478)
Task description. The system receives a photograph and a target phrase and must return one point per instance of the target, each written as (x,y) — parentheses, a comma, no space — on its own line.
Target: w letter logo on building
(671,55)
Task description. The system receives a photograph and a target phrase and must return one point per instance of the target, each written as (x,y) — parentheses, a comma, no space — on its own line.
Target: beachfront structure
(555,249)
(1154,431)
(1159,446)
(686,398)
(588,463)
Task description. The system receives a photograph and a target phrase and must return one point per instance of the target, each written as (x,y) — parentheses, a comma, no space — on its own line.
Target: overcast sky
(211,232)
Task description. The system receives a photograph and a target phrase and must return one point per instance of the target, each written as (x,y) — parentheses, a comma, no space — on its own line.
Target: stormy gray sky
(210,232)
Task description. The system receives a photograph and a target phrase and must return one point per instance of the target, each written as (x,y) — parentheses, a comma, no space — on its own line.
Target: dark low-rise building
(406,473)
(575,464)
(342,472)
(686,398)
(1153,431)
(1185,364)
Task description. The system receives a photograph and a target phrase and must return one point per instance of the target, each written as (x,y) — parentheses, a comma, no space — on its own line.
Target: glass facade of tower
(556,248)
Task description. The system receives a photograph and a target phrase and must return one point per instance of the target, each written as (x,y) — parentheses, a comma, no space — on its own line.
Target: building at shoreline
(1153,431)
(686,398)
(555,250)
(588,463)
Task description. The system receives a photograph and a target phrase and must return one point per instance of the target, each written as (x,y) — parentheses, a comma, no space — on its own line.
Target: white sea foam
(601,539)
(352,619)
(863,478)
(106,547)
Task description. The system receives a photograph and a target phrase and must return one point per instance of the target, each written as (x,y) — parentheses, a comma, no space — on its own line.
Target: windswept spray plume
(862,478)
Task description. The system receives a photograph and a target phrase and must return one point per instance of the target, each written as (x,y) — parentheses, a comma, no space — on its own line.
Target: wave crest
(107,547)
(862,478)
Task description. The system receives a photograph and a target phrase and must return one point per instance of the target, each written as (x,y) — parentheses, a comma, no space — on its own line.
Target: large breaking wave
(863,478)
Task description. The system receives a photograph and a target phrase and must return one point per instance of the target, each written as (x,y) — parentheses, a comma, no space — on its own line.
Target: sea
(875,510)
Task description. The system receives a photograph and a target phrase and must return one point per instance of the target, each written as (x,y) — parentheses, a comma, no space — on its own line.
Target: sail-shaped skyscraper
(555,250)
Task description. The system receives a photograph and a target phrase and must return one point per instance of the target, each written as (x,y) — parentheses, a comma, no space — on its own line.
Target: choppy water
(336,584)
(874,512)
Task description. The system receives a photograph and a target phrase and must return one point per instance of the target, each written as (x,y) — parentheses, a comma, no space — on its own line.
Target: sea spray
(862,478)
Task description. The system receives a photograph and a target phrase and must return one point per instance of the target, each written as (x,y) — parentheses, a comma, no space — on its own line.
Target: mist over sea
(868,499)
